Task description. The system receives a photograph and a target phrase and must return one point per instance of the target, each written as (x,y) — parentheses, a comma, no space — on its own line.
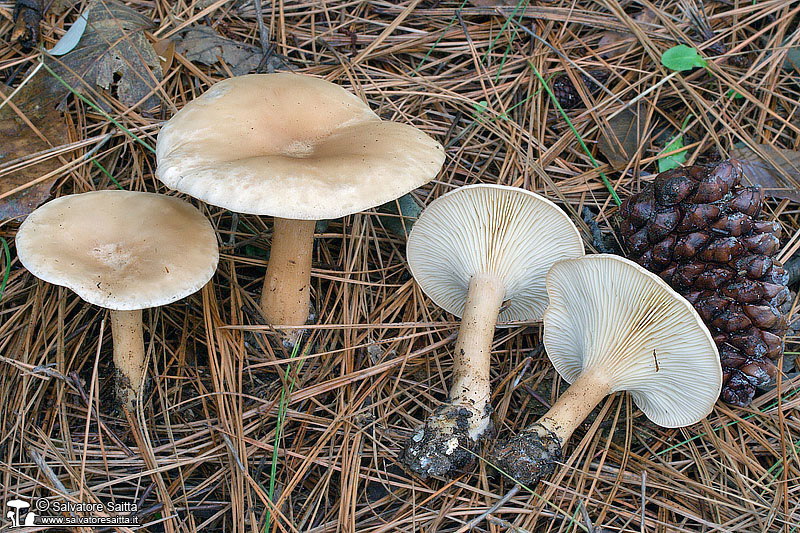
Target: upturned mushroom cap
(291,146)
(608,313)
(121,250)
(493,230)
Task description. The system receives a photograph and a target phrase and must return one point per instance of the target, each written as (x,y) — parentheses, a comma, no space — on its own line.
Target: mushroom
(124,251)
(16,505)
(480,252)
(300,149)
(613,326)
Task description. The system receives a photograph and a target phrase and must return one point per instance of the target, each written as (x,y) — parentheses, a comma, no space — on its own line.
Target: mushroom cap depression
(121,250)
(291,146)
(490,230)
(608,313)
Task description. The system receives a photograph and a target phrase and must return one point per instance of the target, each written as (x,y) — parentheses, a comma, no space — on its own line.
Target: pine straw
(198,455)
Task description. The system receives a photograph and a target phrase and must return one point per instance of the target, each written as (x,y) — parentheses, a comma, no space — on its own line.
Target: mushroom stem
(451,434)
(533,453)
(126,330)
(286,298)
(575,404)
(471,372)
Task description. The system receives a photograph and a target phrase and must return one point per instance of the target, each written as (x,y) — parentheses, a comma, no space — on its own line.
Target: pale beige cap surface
(493,230)
(291,146)
(120,250)
(610,314)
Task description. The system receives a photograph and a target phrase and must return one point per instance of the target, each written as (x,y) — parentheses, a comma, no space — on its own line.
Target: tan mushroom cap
(610,314)
(120,250)
(493,230)
(291,146)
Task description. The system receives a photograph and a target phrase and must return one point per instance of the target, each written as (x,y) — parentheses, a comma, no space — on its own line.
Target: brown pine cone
(700,231)
(568,96)
(719,49)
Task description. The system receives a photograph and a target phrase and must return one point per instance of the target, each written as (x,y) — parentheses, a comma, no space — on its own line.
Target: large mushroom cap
(608,313)
(120,250)
(291,146)
(494,230)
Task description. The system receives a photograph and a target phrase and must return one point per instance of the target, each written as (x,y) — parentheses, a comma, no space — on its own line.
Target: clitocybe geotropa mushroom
(613,326)
(481,252)
(124,251)
(300,149)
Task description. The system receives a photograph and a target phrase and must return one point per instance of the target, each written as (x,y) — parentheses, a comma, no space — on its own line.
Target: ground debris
(113,54)
(30,177)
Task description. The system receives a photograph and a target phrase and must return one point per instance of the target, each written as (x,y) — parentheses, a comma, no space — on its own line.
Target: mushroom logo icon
(13,514)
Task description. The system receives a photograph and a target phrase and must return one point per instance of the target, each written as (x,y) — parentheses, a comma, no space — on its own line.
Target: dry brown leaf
(770,173)
(165,49)
(38,103)
(204,45)
(27,17)
(620,141)
(114,44)
(611,38)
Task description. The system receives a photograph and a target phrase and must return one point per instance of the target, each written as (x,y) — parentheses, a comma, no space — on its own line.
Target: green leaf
(400,224)
(480,107)
(668,162)
(733,94)
(682,57)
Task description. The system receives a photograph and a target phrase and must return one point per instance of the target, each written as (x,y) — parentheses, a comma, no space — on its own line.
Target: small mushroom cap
(18,504)
(609,314)
(120,250)
(490,230)
(291,146)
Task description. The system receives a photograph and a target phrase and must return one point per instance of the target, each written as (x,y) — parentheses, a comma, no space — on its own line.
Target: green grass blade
(7,255)
(282,406)
(577,135)
(95,107)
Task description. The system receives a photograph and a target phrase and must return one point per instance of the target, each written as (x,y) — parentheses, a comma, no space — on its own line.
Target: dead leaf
(620,141)
(71,38)
(165,49)
(36,101)
(203,45)
(28,17)
(113,44)
(611,38)
(770,173)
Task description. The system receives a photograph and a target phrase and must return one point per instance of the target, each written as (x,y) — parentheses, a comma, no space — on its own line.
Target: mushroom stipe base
(129,356)
(443,445)
(278,339)
(529,456)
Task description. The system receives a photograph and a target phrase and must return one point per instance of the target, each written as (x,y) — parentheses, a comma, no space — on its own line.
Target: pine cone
(719,49)
(568,96)
(699,230)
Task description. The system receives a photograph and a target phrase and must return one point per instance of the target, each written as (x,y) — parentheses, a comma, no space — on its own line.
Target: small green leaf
(733,94)
(480,107)
(668,162)
(682,57)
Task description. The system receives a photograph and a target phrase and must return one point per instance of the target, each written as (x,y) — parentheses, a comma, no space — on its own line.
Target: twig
(644,499)
(46,470)
(501,502)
